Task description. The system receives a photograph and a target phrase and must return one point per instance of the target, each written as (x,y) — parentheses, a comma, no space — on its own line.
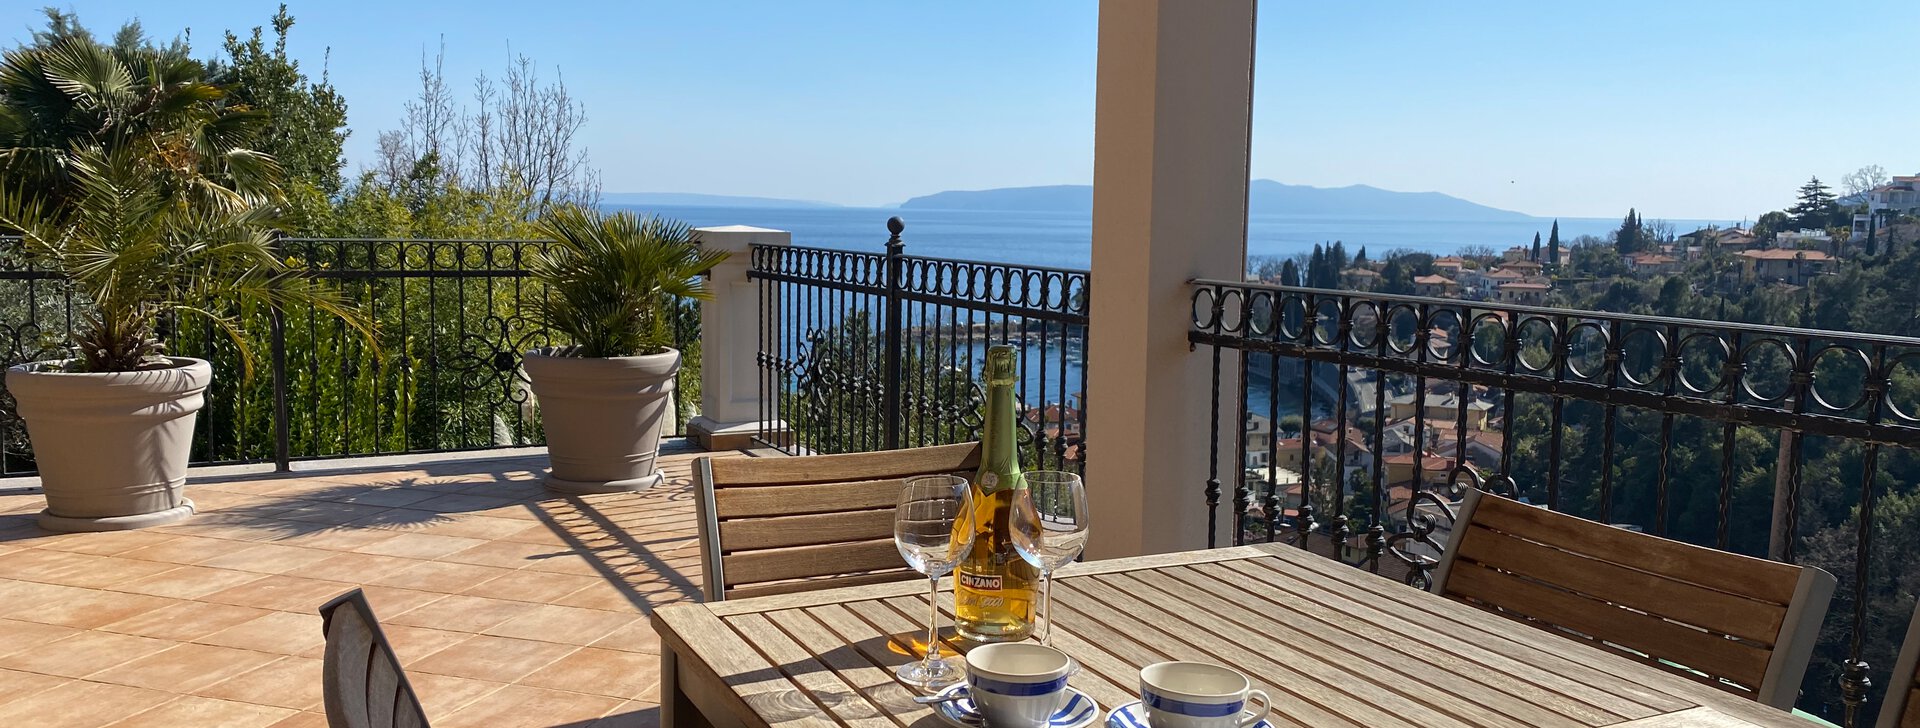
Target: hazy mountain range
(1264,197)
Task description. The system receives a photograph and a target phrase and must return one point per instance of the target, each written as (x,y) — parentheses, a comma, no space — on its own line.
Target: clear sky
(1684,109)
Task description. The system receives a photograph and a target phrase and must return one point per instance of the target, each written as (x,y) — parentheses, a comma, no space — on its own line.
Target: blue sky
(1695,109)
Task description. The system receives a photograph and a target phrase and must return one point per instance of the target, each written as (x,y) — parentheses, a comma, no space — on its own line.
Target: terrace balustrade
(1767,441)
(1773,442)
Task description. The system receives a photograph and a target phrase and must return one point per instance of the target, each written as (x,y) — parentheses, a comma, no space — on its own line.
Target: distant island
(1264,197)
(689,199)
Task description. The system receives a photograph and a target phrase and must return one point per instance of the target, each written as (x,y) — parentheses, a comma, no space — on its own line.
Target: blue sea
(1064,239)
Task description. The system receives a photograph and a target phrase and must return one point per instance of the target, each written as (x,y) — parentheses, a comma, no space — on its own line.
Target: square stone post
(1171,126)
(731,406)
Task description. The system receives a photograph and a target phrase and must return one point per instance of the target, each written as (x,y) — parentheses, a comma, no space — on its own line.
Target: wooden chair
(776,525)
(1738,623)
(1902,706)
(362,680)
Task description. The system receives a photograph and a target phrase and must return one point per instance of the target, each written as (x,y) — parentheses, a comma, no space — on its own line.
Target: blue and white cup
(1199,695)
(1018,684)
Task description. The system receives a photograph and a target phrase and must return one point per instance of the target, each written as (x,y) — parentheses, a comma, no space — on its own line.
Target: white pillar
(730,402)
(1171,121)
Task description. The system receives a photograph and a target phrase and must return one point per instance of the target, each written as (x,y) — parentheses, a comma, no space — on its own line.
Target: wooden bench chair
(1738,623)
(784,524)
(1902,706)
(362,681)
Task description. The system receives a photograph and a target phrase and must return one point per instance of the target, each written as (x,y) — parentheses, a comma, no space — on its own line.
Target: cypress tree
(1289,273)
(1626,240)
(1316,267)
(1535,255)
(1553,247)
(1360,258)
(1337,258)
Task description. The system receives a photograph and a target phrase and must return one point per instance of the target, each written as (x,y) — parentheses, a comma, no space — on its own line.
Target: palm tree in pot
(611,284)
(123,172)
(112,427)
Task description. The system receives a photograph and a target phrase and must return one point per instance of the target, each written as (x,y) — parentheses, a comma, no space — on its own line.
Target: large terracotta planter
(603,418)
(112,447)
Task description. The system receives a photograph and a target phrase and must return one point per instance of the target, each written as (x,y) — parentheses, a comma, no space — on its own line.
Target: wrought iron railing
(869,351)
(1366,415)
(442,374)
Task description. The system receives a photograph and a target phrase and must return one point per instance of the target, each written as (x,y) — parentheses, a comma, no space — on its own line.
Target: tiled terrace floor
(509,605)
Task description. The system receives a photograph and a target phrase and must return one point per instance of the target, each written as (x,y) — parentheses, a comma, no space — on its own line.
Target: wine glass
(932,528)
(1050,529)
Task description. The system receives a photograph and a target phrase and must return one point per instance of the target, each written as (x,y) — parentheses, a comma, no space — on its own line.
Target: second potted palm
(611,285)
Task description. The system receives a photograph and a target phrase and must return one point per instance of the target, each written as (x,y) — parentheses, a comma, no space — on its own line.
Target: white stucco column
(1173,103)
(730,404)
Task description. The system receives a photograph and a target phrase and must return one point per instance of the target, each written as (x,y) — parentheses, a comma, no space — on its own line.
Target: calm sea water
(1064,239)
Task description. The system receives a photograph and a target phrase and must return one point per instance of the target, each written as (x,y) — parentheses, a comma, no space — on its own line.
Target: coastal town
(1449,433)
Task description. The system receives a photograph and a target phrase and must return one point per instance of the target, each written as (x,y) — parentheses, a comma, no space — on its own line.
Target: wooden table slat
(1336,646)
(1254,651)
(1300,698)
(1108,679)
(1695,718)
(1547,652)
(1576,686)
(758,685)
(820,684)
(1677,693)
(1442,687)
(856,669)
(1450,669)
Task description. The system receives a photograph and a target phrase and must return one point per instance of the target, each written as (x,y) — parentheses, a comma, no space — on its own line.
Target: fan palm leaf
(612,278)
(137,255)
(75,93)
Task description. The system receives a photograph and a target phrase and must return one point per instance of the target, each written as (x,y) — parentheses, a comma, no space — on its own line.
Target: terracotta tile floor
(509,605)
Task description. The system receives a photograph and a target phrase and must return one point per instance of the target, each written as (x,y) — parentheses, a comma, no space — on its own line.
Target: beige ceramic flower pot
(603,418)
(112,447)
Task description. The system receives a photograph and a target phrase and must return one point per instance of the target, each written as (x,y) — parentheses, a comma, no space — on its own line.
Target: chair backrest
(775,525)
(1902,706)
(1738,623)
(362,680)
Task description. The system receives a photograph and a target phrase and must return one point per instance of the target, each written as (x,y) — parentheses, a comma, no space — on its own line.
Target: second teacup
(1199,695)
(1018,684)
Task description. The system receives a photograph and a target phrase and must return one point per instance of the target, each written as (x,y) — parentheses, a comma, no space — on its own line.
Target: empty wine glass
(1050,529)
(929,525)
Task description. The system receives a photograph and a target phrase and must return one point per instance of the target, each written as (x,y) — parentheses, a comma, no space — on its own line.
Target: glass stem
(1046,609)
(933,621)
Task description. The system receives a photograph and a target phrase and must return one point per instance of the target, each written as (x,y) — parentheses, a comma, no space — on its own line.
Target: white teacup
(1017,684)
(1199,695)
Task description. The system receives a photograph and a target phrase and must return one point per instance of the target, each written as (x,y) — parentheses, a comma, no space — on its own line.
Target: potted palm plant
(611,280)
(112,427)
(125,173)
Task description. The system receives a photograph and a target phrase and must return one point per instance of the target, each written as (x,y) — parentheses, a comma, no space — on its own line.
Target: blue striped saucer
(1079,712)
(1134,715)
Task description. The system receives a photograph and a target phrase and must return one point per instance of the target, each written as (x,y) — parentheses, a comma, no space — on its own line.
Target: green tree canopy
(308,119)
(1815,208)
(65,92)
(1631,237)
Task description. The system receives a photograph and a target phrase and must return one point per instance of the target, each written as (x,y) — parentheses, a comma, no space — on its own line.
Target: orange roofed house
(1435,285)
(1784,265)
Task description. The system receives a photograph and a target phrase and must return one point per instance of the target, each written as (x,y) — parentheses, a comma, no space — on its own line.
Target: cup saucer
(1134,715)
(1079,712)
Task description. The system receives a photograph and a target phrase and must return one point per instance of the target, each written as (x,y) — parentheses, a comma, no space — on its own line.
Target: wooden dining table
(1334,645)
